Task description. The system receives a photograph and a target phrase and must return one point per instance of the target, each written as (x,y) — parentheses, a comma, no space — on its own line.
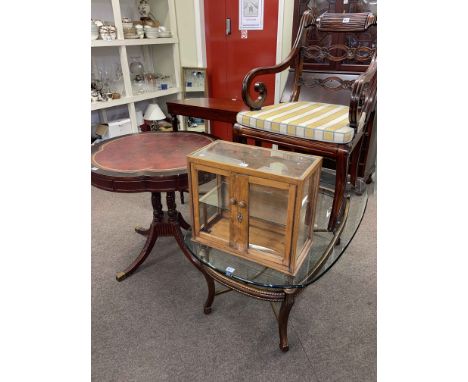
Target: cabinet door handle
(228,26)
(233,201)
(242,204)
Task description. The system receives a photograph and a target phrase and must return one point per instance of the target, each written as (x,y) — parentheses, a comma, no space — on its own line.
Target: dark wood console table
(212,109)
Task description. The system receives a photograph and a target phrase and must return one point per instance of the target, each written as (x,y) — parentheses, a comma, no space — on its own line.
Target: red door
(230,57)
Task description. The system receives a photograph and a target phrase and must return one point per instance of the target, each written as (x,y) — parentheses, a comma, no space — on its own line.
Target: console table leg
(283,317)
(175,122)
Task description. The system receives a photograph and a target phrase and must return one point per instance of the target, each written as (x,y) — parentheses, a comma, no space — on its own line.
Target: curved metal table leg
(283,318)
(209,280)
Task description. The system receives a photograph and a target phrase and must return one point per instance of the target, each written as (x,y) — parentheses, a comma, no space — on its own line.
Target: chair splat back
(334,24)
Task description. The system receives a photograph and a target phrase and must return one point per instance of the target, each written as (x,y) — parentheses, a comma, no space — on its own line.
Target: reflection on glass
(305,217)
(213,196)
(258,158)
(268,210)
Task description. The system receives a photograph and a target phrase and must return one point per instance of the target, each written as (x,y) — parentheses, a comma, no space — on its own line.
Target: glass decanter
(137,72)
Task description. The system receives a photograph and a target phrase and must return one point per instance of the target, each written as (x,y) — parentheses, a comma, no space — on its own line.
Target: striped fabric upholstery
(311,120)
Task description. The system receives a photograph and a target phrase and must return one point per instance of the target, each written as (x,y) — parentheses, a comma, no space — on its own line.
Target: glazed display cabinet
(254,202)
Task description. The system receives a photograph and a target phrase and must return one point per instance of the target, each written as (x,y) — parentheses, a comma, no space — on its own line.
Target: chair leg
(340,186)
(354,161)
(365,151)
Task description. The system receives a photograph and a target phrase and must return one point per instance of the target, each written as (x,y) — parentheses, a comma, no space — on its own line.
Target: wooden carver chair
(334,131)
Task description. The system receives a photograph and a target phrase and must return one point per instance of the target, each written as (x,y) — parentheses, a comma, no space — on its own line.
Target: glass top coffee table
(267,284)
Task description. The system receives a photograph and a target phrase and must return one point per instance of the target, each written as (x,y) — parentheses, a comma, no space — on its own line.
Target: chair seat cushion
(310,120)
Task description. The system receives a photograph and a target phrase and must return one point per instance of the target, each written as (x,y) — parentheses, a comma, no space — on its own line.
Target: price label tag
(229,271)
(345,20)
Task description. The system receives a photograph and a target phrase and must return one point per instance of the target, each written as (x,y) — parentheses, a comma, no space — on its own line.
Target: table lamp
(154,114)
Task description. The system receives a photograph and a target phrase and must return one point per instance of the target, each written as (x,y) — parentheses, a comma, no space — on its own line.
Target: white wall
(185,14)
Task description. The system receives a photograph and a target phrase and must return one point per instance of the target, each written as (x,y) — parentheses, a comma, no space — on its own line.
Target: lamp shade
(154,113)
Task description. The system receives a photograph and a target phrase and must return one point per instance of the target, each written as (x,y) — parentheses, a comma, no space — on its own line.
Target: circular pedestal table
(150,162)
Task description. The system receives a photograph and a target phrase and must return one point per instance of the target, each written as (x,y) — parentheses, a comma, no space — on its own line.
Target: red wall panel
(230,58)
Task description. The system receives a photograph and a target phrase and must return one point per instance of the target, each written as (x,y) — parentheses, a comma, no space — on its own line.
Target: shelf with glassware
(133,99)
(194,85)
(116,78)
(139,41)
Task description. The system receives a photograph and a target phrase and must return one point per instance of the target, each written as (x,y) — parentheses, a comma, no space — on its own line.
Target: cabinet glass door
(268,219)
(213,205)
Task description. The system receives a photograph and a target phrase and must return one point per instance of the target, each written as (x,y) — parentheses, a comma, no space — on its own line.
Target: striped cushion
(311,120)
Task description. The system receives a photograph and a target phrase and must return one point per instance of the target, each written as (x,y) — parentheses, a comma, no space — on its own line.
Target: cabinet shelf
(107,104)
(136,41)
(135,98)
(156,94)
(193,89)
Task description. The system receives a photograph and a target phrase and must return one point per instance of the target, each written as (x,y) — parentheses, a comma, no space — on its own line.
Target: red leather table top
(150,152)
(150,161)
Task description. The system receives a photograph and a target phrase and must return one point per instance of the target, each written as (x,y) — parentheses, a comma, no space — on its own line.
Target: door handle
(228,26)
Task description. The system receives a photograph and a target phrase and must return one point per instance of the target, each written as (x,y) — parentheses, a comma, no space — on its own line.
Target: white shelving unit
(166,57)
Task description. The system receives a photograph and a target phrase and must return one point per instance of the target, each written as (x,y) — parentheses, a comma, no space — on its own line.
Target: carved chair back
(362,90)
(332,23)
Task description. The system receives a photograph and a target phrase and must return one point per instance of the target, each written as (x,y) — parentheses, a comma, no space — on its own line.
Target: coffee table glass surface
(326,249)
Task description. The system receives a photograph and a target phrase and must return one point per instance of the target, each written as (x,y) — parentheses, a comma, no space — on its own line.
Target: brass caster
(284,349)
(120,276)
(141,230)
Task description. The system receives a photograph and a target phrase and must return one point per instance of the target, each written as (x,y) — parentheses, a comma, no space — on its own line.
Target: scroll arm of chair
(259,87)
(363,96)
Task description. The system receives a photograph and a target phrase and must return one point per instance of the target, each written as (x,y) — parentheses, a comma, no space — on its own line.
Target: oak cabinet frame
(240,198)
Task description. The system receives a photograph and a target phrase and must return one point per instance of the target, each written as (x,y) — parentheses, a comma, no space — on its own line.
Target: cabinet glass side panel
(268,211)
(305,217)
(213,203)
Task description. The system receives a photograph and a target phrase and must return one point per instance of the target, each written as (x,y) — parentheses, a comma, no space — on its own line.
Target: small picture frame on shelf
(194,82)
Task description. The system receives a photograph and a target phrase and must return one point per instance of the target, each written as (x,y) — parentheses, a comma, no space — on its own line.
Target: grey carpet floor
(151,327)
